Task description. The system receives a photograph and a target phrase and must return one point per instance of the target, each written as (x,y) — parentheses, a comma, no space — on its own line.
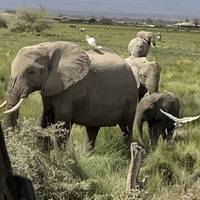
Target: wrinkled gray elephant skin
(147,75)
(139,46)
(79,87)
(148,110)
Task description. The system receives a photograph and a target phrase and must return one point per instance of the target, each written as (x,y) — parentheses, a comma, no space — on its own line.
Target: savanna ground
(71,175)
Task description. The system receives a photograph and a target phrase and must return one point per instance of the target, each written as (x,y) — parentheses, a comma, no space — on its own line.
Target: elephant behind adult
(85,88)
(148,110)
(139,46)
(147,75)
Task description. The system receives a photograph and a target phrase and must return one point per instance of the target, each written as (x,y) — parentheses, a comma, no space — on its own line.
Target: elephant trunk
(153,41)
(16,90)
(11,118)
(140,122)
(152,84)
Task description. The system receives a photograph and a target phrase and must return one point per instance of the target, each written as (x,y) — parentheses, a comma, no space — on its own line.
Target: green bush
(3,23)
(55,174)
(7,19)
(30,20)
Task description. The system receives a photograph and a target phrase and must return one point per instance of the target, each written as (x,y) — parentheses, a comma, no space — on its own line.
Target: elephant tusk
(152,45)
(3,104)
(147,94)
(15,107)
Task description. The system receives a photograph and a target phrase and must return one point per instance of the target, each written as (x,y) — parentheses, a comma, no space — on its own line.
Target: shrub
(30,20)
(3,23)
(7,19)
(55,174)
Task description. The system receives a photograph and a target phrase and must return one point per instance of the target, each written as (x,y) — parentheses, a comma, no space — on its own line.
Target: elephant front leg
(62,133)
(153,134)
(46,119)
(42,121)
(91,135)
(168,132)
(63,123)
(63,126)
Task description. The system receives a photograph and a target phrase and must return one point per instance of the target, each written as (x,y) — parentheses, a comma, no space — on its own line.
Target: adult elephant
(139,46)
(86,88)
(147,75)
(148,110)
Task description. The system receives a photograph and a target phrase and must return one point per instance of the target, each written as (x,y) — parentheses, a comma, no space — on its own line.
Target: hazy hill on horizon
(165,9)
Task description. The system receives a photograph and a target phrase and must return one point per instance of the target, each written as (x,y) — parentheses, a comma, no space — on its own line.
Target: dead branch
(137,153)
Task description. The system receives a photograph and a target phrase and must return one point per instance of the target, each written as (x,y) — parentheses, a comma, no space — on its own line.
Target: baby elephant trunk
(152,84)
(140,123)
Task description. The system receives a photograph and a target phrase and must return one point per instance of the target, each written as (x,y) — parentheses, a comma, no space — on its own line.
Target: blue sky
(115,7)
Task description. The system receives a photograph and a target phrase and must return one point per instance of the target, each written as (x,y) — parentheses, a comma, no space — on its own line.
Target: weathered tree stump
(12,187)
(137,153)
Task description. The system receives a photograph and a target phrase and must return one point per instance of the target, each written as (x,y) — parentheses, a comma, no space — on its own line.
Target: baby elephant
(158,124)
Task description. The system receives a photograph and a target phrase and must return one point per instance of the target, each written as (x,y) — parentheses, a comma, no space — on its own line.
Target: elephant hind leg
(91,135)
(127,133)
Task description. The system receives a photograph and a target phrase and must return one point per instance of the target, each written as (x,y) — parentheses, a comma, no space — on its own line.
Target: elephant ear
(160,104)
(145,35)
(68,65)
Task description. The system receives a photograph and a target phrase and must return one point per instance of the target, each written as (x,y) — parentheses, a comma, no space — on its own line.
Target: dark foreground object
(12,187)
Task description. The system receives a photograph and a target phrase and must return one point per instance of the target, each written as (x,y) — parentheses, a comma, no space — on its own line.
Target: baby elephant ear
(68,65)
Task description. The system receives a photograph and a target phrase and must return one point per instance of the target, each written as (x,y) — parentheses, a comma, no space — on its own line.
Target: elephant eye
(31,72)
(143,75)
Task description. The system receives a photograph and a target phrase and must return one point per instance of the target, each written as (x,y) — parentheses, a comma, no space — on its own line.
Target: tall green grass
(102,175)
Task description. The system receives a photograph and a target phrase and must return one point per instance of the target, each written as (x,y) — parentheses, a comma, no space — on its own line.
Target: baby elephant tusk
(152,45)
(147,93)
(3,104)
(15,107)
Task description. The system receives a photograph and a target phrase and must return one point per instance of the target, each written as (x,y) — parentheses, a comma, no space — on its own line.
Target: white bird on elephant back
(92,42)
